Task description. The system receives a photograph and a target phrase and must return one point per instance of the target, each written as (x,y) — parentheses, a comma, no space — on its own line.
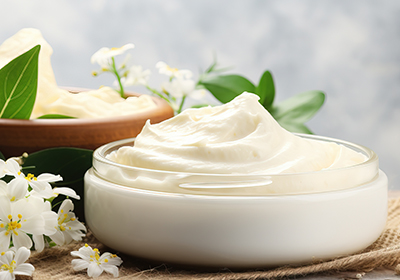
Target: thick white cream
(239,137)
(50,99)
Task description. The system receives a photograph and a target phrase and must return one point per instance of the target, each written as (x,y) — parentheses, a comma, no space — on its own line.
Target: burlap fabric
(55,263)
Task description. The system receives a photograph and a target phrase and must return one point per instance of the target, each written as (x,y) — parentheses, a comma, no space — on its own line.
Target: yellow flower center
(63,219)
(9,267)
(12,225)
(173,70)
(96,256)
(30,177)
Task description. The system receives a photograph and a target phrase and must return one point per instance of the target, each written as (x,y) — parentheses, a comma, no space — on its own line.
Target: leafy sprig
(18,80)
(290,114)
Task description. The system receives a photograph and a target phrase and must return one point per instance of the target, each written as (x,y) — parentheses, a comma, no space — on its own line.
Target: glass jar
(236,220)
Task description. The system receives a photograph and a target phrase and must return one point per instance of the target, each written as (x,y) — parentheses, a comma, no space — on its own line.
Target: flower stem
(181,105)
(115,71)
(157,93)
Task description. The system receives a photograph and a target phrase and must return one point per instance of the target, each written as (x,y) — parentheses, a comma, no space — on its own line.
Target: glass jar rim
(100,154)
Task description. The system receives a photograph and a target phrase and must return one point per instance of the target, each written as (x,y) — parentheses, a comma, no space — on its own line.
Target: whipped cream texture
(239,137)
(236,149)
(50,99)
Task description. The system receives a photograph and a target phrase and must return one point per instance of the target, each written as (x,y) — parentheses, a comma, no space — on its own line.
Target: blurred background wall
(348,49)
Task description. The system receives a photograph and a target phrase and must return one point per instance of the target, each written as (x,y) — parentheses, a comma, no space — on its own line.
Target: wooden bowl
(19,136)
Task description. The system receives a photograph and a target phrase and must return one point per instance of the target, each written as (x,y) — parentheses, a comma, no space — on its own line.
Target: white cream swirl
(239,137)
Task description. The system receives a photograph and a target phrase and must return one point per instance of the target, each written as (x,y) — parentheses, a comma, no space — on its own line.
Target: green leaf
(70,163)
(266,90)
(55,116)
(299,108)
(18,85)
(2,156)
(227,87)
(200,105)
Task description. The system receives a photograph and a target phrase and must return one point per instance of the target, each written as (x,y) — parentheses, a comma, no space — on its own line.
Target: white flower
(95,264)
(38,184)
(103,55)
(12,192)
(13,263)
(54,192)
(68,227)
(179,87)
(9,167)
(50,223)
(164,68)
(26,216)
(136,76)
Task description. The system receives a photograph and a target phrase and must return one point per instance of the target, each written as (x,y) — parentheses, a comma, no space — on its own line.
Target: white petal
(104,256)
(98,56)
(33,225)
(18,188)
(78,264)
(67,192)
(75,235)
(68,238)
(27,207)
(111,260)
(58,238)
(114,261)
(8,257)
(3,187)
(5,275)
(84,252)
(94,270)
(45,193)
(47,206)
(21,240)
(50,222)
(111,269)
(66,206)
(117,51)
(22,255)
(76,225)
(13,167)
(4,241)
(39,242)
(39,186)
(49,178)
(24,269)
(5,208)
(161,64)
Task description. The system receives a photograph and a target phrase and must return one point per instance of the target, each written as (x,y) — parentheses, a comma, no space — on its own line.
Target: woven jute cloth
(55,263)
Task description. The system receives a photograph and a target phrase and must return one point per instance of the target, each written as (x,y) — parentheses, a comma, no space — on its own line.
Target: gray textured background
(348,49)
